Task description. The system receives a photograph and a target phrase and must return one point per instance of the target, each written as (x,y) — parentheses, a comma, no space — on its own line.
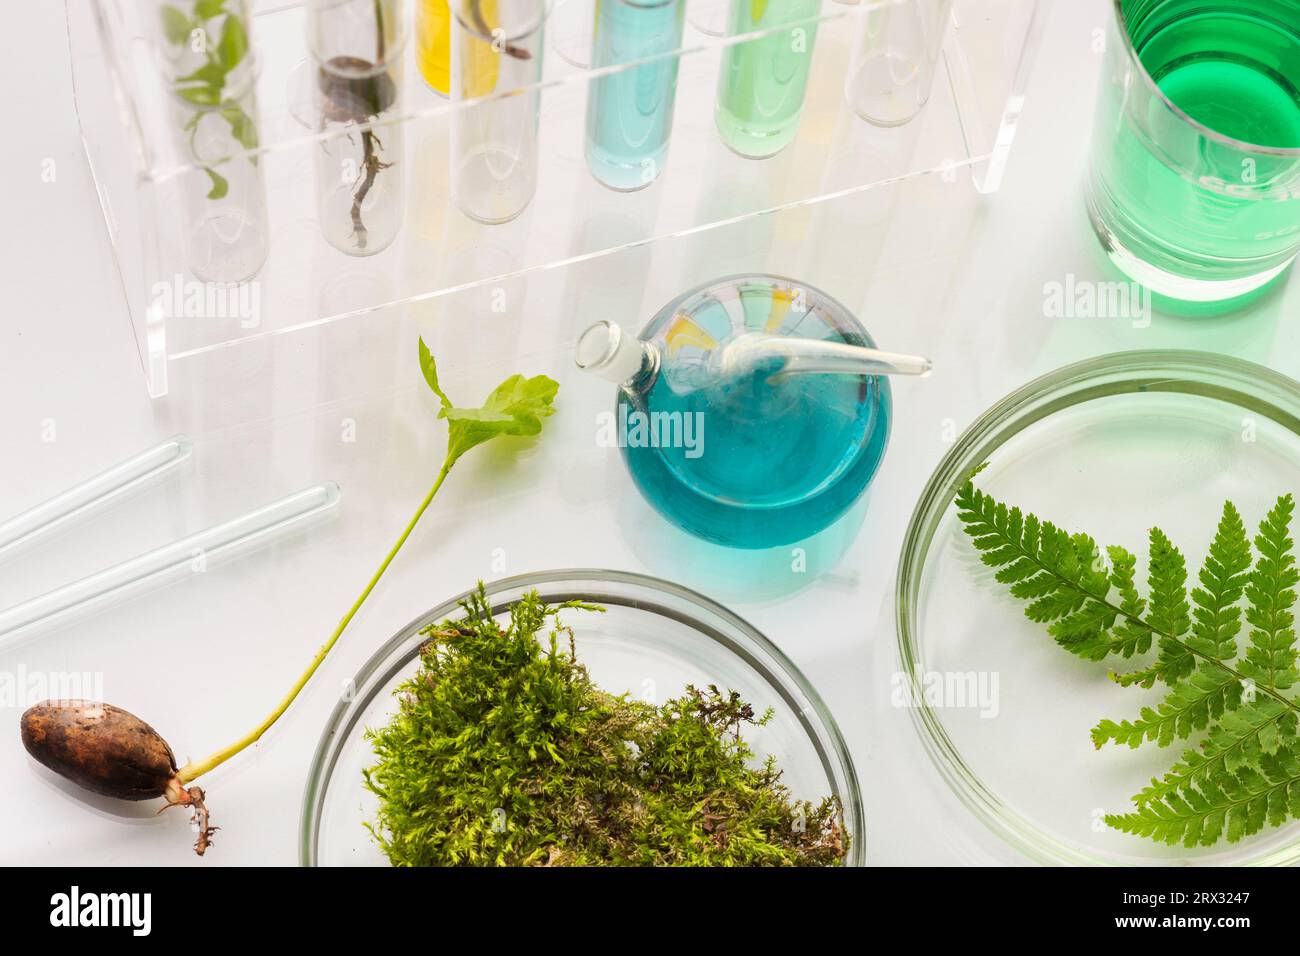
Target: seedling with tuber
(112,752)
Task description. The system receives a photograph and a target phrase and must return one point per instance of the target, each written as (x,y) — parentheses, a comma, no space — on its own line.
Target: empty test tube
(184,555)
(93,492)
(893,65)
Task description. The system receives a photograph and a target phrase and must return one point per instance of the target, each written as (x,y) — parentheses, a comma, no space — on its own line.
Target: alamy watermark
(191,299)
(969,690)
(633,428)
(1076,298)
(133,911)
(21,688)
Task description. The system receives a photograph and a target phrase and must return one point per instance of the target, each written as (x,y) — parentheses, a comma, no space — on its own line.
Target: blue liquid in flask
(750,454)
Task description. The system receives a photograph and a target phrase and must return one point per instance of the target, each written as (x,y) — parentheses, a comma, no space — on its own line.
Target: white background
(203,660)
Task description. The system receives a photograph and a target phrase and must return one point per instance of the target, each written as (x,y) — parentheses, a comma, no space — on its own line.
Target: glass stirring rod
(183,555)
(93,492)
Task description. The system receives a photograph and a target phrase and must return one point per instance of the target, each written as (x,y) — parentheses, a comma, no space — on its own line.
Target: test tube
(433,44)
(98,490)
(569,28)
(208,63)
(630,111)
(762,81)
(201,44)
(187,555)
(496,64)
(892,68)
(357,49)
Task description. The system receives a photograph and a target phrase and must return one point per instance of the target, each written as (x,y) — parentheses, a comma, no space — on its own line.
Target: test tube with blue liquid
(630,110)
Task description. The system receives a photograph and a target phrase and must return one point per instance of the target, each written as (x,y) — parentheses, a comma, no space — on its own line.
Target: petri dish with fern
(1110,448)
(653,639)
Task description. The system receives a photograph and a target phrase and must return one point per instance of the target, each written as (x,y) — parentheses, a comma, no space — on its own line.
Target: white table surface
(203,660)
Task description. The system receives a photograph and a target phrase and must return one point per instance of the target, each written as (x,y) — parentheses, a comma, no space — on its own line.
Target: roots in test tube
(358,49)
(361,197)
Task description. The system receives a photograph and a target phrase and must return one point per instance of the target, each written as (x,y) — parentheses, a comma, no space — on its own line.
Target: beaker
(1194,186)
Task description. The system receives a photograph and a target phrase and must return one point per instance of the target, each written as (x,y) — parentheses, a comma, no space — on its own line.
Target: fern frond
(1240,803)
(1245,774)
(1223,580)
(1130,637)
(1189,706)
(1063,577)
(1168,610)
(1241,736)
(1271,657)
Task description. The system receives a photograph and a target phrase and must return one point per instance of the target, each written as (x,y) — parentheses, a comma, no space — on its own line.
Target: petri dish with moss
(1109,448)
(652,642)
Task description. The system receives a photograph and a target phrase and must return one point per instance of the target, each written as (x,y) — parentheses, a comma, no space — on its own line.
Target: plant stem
(192,771)
(379,32)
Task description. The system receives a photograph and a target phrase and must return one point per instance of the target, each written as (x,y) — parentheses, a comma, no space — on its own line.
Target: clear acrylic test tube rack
(966,129)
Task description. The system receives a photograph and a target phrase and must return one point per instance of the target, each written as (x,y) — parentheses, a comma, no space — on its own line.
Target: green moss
(503,752)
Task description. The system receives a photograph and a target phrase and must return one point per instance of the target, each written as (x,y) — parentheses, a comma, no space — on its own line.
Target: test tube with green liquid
(762,80)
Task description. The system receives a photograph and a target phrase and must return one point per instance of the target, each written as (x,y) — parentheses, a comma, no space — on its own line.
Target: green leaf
(1271,658)
(176,26)
(515,407)
(1240,804)
(233,45)
(207,9)
(1062,576)
(220,187)
(1189,706)
(1223,580)
(209,74)
(242,127)
(200,95)
(1254,728)
(429,369)
(1245,773)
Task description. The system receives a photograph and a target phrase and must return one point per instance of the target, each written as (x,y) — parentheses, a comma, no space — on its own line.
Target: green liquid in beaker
(762,81)
(1180,201)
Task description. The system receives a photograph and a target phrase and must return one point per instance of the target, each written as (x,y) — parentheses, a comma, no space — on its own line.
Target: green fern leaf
(1245,773)
(1240,804)
(1271,658)
(1169,611)
(1061,576)
(1255,728)
(1189,706)
(1223,581)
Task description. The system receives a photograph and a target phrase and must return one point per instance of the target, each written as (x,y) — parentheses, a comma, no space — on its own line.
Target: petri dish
(1110,446)
(654,637)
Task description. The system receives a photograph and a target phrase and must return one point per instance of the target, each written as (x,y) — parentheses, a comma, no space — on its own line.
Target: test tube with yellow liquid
(433,43)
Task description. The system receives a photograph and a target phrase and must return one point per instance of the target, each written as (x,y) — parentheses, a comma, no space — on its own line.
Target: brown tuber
(111,752)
